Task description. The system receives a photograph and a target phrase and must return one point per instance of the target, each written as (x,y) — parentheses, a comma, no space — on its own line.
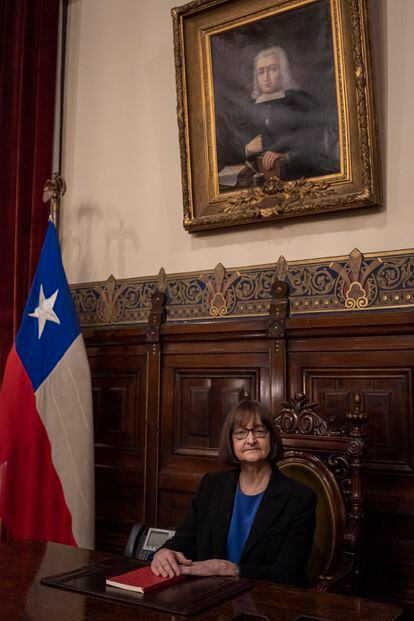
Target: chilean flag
(46,426)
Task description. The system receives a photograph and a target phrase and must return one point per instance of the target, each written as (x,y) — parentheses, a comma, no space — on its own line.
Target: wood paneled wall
(162,391)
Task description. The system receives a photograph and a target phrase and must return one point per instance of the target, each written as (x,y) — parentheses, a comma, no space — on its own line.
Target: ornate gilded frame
(354,184)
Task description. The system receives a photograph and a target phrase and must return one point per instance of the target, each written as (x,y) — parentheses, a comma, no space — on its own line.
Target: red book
(141,580)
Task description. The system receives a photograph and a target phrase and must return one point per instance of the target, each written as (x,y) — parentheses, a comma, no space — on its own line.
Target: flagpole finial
(53,191)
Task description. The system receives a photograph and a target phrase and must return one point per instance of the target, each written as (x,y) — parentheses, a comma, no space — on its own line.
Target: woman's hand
(212,567)
(169,563)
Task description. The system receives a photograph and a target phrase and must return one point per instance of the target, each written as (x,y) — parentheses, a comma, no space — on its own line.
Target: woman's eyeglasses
(241,433)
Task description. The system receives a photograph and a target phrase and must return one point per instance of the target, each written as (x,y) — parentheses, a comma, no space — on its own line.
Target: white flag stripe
(60,419)
(64,403)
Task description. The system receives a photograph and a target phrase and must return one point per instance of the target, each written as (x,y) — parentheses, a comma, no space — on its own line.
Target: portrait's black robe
(294,124)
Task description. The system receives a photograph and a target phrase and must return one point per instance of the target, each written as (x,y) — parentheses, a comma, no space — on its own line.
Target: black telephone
(143,541)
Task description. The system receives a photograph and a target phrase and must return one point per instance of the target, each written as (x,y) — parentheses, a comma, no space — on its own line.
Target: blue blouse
(244,511)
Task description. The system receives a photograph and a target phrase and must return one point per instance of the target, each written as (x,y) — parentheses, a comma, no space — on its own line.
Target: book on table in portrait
(141,580)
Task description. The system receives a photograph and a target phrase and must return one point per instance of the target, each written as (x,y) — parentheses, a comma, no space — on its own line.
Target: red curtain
(28,59)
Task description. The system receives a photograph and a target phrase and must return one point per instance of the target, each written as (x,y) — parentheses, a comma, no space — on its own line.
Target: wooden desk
(23,564)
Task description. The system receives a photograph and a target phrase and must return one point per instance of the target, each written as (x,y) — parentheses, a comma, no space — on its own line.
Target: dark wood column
(279,308)
(152,414)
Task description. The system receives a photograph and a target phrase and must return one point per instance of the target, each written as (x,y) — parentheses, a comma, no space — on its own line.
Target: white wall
(122,213)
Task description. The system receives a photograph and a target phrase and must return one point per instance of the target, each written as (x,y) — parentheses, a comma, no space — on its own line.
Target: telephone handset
(143,541)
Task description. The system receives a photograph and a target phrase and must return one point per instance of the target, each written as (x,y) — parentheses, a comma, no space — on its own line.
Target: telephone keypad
(145,555)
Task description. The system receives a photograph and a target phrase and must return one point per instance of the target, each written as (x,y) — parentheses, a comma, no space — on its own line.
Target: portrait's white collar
(270,96)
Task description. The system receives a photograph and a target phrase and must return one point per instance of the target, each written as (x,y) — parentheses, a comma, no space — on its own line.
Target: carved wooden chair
(329,461)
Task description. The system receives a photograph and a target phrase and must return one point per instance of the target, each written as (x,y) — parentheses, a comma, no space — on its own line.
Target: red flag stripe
(35,506)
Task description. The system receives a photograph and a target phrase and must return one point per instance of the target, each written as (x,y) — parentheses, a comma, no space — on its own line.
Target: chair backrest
(330,510)
(329,461)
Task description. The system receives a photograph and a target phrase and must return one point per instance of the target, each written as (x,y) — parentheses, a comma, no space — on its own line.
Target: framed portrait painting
(276,110)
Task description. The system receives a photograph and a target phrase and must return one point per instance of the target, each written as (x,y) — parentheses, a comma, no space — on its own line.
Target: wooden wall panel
(119,389)
(173,507)
(383,381)
(385,394)
(199,386)
(379,368)
(113,401)
(388,556)
(202,399)
(159,408)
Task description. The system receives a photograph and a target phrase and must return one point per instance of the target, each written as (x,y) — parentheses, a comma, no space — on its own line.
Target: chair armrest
(340,580)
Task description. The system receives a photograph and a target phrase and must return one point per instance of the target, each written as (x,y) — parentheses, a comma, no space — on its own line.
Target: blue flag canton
(50,323)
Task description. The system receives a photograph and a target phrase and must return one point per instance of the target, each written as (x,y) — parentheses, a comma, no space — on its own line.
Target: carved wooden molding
(357,442)
(337,284)
(299,416)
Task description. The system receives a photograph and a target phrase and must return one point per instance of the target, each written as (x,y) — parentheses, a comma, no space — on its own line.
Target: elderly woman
(250,521)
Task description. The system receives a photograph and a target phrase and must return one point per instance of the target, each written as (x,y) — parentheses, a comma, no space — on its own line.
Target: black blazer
(280,540)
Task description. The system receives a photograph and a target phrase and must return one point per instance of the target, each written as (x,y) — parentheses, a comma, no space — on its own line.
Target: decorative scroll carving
(290,197)
(110,307)
(298,416)
(298,420)
(357,433)
(340,466)
(344,284)
(354,286)
(220,292)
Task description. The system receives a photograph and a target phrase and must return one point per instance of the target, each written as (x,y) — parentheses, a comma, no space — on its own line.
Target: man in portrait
(282,131)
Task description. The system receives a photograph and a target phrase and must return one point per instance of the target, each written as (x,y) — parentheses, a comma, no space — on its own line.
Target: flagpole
(53,191)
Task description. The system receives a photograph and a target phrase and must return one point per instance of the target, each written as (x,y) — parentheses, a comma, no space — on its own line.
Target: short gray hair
(287,80)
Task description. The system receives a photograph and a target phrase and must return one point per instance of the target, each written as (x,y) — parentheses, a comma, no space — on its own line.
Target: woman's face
(252,449)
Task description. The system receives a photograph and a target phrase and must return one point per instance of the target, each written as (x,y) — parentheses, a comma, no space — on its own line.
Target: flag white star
(44,312)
